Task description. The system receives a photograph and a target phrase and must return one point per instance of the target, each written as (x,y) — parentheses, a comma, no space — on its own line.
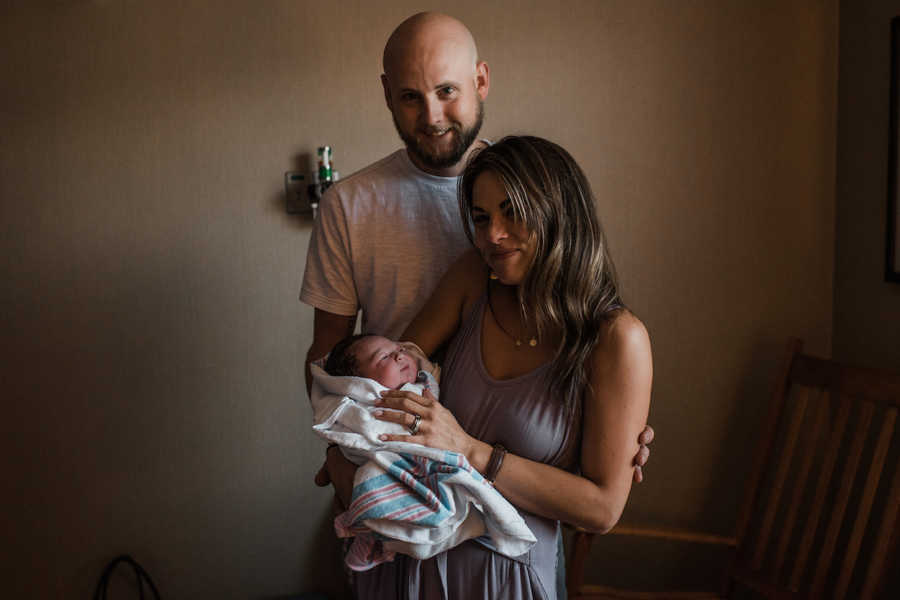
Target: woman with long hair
(546,382)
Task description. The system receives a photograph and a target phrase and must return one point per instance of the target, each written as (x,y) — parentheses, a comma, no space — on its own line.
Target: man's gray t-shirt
(383,239)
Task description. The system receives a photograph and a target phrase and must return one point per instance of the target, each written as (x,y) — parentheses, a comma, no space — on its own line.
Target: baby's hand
(421,360)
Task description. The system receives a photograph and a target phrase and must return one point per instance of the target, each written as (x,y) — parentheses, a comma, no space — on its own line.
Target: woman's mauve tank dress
(520,414)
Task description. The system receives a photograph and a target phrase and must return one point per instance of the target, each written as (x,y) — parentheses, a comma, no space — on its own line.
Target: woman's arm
(440,317)
(615,412)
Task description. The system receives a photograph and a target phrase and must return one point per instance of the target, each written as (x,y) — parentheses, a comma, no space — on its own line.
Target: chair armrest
(602,592)
(581,543)
(683,535)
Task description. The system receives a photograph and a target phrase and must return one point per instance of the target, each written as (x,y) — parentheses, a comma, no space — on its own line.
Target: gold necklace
(532,342)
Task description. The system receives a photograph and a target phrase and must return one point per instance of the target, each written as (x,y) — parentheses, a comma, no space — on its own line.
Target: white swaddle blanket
(416,500)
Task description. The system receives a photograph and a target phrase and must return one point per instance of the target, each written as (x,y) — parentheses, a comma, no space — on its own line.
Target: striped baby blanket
(407,498)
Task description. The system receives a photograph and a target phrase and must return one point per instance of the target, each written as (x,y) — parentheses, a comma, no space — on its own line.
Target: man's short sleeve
(328,280)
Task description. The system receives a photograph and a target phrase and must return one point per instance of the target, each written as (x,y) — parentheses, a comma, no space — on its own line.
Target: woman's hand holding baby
(437,427)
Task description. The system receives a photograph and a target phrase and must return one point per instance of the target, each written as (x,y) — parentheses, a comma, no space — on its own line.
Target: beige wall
(866,307)
(152,340)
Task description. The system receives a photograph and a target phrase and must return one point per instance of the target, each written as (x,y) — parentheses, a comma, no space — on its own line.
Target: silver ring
(414,428)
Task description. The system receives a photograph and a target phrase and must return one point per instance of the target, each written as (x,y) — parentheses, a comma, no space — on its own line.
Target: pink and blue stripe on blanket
(407,497)
(421,506)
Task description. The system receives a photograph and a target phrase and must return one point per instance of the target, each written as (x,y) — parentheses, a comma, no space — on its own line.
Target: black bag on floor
(140,573)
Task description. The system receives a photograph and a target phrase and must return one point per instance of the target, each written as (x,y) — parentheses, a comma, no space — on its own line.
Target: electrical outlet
(296,198)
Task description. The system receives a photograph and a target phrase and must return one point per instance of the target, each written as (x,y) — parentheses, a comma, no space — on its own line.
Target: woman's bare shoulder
(454,296)
(625,325)
(623,337)
(471,260)
(469,272)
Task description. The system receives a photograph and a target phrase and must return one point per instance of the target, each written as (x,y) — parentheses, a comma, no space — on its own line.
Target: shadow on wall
(740,437)
(326,564)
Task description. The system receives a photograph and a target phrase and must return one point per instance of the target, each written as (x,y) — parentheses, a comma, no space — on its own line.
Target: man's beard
(442,160)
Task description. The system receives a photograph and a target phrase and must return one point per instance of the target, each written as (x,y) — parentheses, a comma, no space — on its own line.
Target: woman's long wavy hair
(571,285)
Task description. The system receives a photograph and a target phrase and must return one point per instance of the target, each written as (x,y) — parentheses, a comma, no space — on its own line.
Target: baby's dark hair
(341,361)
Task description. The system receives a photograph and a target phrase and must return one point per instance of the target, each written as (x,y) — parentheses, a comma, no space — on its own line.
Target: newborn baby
(390,363)
(407,497)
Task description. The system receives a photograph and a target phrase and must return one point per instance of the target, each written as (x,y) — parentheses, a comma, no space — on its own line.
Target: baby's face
(385,361)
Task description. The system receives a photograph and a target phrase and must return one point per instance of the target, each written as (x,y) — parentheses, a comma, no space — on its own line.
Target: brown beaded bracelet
(496,461)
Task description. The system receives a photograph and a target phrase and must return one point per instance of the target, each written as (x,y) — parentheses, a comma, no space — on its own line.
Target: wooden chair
(819,518)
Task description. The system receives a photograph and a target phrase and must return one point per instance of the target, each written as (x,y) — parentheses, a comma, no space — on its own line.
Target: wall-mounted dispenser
(295,194)
(303,193)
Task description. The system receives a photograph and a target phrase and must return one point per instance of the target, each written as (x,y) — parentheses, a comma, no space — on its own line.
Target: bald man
(386,234)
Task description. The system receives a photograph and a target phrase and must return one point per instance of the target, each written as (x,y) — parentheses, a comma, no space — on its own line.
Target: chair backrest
(820,519)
